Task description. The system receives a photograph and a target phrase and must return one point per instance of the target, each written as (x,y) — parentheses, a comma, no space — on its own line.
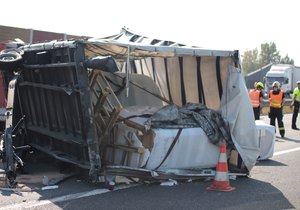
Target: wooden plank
(101,100)
(127,148)
(210,84)
(224,63)
(160,76)
(190,79)
(173,72)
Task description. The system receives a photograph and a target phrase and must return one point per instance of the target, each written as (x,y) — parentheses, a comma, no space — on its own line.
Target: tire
(12,50)
(11,60)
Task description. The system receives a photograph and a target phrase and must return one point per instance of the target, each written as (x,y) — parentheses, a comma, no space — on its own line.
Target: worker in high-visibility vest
(276,99)
(256,96)
(295,103)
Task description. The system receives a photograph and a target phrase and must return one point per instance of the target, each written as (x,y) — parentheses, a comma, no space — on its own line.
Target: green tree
(287,60)
(250,60)
(254,59)
(268,54)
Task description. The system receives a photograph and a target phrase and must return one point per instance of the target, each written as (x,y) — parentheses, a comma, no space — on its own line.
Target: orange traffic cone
(221,180)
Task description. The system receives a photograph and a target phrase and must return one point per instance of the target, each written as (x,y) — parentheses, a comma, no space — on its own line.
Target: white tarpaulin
(237,110)
(192,150)
(266,137)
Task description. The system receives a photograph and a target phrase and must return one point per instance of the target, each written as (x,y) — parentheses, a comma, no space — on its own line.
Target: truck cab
(283,74)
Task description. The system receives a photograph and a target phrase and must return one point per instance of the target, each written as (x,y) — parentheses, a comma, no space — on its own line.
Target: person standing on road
(276,99)
(295,103)
(256,96)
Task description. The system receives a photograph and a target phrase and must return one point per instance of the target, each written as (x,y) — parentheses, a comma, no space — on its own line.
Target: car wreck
(129,105)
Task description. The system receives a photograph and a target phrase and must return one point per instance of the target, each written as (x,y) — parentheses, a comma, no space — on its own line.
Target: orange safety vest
(254,97)
(276,100)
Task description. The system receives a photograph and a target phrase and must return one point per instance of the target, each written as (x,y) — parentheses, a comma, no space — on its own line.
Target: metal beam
(66,90)
(87,113)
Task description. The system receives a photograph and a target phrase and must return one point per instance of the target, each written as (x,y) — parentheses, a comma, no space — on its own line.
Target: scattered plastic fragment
(53,187)
(170,182)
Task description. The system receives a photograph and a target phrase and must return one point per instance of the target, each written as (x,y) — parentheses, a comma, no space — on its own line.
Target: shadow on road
(249,194)
(269,162)
(291,139)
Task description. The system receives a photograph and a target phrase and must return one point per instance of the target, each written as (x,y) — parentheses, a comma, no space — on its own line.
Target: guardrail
(286,107)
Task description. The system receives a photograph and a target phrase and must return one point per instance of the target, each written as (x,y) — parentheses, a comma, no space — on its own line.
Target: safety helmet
(298,82)
(276,84)
(259,84)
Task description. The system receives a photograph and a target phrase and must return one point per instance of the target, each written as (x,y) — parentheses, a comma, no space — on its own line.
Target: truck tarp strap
(153,69)
(167,79)
(170,148)
(199,81)
(148,91)
(121,87)
(132,63)
(183,96)
(218,71)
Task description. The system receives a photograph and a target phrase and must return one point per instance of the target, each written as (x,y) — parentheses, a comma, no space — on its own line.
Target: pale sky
(216,24)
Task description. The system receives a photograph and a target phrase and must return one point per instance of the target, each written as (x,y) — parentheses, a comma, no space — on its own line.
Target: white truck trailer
(287,75)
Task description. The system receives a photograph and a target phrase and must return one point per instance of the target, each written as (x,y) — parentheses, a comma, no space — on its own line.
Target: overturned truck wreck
(129,105)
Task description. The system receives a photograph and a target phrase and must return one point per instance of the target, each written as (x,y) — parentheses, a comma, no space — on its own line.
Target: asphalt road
(273,184)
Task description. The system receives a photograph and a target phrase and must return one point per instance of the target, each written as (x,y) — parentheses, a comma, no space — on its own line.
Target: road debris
(52,187)
(169,183)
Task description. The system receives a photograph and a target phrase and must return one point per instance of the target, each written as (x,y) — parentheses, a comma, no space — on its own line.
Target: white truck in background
(287,75)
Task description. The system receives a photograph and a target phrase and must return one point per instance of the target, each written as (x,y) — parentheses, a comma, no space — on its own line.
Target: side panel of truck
(296,77)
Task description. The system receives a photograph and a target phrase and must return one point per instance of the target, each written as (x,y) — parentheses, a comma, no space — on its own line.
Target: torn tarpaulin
(104,63)
(192,115)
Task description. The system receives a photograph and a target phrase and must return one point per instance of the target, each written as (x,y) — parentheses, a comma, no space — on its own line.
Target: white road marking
(286,151)
(36,203)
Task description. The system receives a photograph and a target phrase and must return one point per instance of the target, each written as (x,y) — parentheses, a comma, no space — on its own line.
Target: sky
(213,24)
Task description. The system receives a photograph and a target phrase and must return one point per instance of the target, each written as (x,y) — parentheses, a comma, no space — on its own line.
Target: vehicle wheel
(12,50)
(10,61)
